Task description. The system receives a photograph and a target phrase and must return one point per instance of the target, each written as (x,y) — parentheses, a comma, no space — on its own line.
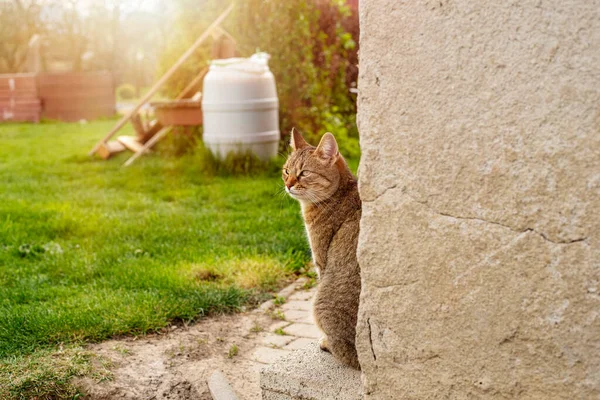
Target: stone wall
(480,177)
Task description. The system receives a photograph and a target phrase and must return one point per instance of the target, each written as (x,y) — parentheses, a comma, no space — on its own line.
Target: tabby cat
(319,178)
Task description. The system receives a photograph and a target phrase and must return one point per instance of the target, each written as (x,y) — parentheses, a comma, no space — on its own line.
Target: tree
(19,21)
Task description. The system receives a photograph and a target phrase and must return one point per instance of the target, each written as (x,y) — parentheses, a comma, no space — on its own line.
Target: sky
(127,6)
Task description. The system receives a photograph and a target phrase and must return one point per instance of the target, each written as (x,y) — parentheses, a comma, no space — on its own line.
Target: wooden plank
(15,82)
(64,94)
(221,31)
(146,147)
(108,149)
(131,143)
(22,93)
(153,129)
(51,80)
(179,113)
(138,126)
(20,103)
(187,92)
(163,79)
(224,46)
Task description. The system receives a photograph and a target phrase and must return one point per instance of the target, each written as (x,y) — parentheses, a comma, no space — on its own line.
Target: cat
(319,178)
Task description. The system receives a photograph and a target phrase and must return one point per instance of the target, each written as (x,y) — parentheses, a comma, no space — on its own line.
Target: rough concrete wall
(480,177)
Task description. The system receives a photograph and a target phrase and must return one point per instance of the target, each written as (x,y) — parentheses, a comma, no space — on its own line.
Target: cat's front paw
(323,344)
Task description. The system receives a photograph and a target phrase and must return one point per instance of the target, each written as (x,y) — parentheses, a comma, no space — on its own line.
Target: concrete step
(310,374)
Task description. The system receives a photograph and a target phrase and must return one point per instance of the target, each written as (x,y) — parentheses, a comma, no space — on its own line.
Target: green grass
(89,250)
(46,374)
(280,331)
(233,351)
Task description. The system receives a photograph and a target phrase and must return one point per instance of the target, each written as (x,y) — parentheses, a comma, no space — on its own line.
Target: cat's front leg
(323,344)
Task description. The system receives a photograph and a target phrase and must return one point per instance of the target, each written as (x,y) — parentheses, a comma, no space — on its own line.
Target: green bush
(126,92)
(313,48)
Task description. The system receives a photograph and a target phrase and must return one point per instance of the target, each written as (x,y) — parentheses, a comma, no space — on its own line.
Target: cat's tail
(344,351)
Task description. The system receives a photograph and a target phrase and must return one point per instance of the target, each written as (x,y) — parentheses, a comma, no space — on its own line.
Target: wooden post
(163,79)
(223,32)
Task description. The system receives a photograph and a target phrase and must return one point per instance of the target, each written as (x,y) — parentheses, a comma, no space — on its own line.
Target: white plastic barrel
(240,107)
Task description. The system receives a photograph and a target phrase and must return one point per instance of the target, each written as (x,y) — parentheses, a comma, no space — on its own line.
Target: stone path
(295,330)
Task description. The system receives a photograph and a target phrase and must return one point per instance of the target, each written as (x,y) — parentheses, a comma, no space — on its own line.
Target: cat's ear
(328,148)
(297,141)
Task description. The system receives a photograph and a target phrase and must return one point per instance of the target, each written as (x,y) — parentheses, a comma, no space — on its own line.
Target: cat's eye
(285,171)
(304,173)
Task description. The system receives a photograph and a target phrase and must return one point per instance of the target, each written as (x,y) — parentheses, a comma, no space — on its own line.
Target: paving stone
(271,339)
(277,325)
(299,316)
(268,355)
(264,307)
(290,289)
(302,295)
(219,387)
(303,330)
(299,343)
(305,305)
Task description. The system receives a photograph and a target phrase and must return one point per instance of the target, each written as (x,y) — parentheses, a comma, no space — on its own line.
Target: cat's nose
(290,183)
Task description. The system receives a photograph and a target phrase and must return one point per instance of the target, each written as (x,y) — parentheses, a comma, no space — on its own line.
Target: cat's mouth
(293,193)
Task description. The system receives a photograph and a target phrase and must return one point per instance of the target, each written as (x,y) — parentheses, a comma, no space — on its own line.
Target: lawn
(89,250)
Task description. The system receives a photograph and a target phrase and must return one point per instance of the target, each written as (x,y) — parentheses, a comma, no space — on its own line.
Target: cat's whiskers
(284,155)
(281,195)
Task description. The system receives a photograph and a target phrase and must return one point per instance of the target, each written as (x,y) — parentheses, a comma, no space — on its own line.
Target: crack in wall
(444,214)
(371,340)
(377,196)
(396,284)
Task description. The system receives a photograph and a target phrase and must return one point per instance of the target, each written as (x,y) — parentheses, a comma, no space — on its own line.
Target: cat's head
(312,174)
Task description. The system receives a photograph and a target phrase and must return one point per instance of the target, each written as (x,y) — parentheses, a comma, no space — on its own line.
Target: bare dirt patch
(177,364)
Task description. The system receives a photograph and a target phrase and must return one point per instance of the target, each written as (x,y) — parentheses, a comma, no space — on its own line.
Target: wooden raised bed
(178,112)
